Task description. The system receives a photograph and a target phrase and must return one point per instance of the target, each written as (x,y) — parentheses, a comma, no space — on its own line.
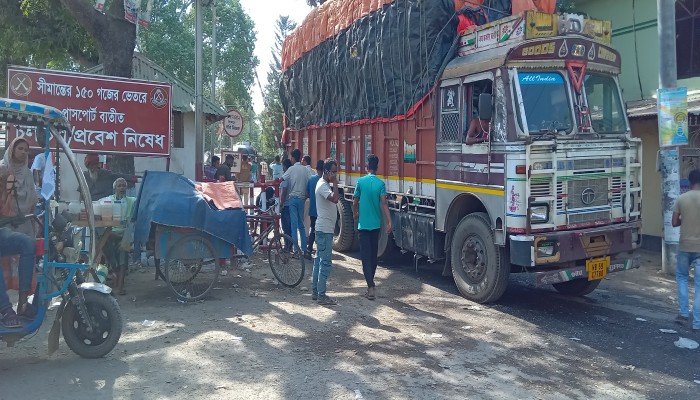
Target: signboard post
(107,114)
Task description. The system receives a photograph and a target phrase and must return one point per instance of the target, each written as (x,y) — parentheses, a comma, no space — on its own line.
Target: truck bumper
(579,272)
(566,249)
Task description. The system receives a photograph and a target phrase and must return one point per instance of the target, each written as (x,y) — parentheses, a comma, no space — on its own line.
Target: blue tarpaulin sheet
(170,199)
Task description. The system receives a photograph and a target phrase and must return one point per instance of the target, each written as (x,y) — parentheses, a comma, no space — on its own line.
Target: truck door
(477,132)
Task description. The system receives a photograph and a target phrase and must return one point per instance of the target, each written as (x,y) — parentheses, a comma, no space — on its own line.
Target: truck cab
(533,139)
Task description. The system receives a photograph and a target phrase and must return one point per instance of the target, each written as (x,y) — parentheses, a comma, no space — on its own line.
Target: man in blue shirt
(310,193)
(277,169)
(368,205)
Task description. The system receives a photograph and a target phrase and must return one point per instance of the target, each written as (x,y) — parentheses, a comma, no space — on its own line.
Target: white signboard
(233,123)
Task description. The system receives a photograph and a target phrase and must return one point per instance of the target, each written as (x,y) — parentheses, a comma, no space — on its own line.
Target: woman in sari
(17,197)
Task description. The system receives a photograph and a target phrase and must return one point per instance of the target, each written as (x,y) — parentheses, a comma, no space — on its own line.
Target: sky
(265,13)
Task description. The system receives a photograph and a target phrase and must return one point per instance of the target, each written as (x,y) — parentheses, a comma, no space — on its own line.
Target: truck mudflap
(580,272)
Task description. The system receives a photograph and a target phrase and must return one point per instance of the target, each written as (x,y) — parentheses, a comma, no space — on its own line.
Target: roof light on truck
(520,169)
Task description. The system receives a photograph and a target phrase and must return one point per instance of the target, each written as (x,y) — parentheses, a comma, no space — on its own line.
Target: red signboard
(107,114)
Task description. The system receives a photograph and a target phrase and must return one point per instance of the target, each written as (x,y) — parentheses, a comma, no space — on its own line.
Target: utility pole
(213,51)
(668,156)
(198,98)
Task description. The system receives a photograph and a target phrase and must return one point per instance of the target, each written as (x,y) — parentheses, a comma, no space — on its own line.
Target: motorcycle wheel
(106,319)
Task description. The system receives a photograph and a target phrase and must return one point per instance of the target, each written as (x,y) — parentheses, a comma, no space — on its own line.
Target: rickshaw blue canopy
(28,113)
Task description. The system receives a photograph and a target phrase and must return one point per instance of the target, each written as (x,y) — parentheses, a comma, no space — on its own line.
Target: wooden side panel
(406,150)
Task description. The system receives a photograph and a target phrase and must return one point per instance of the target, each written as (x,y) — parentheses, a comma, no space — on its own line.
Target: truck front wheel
(577,287)
(344,235)
(479,266)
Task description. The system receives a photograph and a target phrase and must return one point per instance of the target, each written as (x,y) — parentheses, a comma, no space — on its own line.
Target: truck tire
(479,267)
(344,236)
(577,287)
(386,248)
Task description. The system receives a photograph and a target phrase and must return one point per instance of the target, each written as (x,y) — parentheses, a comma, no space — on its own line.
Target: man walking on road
(310,191)
(326,200)
(686,214)
(368,205)
(297,176)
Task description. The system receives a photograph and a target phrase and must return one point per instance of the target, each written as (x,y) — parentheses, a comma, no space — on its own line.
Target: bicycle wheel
(288,266)
(191,267)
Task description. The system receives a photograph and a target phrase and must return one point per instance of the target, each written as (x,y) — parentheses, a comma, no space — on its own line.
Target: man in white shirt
(326,200)
(298,177)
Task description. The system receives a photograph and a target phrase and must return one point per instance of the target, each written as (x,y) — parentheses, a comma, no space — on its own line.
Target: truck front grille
(587,193)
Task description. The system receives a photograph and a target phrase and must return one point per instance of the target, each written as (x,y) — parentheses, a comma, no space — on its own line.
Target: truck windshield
(545,102)
(607,115)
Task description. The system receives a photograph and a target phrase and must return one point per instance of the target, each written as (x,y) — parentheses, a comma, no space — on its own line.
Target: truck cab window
(607,115)
(476,130)
(546,103)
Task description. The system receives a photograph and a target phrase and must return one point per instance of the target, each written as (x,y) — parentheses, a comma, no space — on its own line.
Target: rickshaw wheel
(287,264)
(191,267)
(106,319)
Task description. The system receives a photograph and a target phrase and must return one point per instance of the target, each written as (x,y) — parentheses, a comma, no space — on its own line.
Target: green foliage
(42,34)
(568,6)
(169,42)
(314,3)
(271,116)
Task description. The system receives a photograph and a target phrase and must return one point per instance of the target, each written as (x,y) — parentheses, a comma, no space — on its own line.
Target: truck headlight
(546,249)
(539,214)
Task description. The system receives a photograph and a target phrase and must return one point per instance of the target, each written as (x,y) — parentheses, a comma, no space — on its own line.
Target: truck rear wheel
(386,248)
(479,266)
(577,287)
(344,235)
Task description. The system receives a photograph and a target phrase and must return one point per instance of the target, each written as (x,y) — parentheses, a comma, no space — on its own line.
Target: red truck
(548,180)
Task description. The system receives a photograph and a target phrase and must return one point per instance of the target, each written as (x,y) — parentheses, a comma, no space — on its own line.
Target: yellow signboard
(598,30)
(539,24)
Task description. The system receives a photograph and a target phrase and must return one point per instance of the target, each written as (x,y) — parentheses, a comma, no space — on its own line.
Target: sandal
(27,310)
(9,319)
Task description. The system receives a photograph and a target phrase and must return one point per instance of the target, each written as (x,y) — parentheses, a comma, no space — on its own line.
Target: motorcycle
(88,316)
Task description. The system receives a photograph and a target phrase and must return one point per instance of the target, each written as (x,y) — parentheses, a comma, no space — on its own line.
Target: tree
(42,34)
(314,3)
(169,42)
(271,116)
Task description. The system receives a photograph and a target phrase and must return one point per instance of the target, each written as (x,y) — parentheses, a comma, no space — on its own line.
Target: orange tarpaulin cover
(325,21)
(222,194)
(545,6)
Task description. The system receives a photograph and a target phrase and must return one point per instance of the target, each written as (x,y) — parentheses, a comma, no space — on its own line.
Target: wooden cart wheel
(191,267)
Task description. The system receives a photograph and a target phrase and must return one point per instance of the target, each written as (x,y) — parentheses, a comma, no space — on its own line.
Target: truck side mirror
(485,106)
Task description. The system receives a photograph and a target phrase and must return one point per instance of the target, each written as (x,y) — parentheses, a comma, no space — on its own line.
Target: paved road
(253,339)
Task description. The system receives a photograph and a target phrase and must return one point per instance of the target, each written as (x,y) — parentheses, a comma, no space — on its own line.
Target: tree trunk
(115,38)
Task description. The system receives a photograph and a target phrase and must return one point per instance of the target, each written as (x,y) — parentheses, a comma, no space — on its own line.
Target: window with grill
(449,114)
(688,38)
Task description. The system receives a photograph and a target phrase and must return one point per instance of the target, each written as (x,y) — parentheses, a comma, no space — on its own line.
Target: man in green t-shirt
(368,205)
(686,214)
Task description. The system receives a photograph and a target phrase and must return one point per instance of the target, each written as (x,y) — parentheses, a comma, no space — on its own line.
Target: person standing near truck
(297,176)
(313,213)
(686,214)
(326,200)
(369,204)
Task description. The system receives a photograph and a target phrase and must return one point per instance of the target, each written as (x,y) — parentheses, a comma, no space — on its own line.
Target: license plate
(597,268)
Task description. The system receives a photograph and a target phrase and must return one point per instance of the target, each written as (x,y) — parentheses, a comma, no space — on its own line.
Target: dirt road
(253,339)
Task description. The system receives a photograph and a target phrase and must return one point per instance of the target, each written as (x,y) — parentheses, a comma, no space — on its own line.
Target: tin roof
(183,95)
(647,107)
